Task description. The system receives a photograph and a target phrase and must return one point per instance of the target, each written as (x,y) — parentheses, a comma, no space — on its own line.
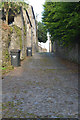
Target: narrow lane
(43,86)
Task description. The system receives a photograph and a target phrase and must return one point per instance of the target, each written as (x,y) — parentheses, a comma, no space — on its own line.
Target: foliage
(18,31)
(15,7)
(62,21)
(42,32)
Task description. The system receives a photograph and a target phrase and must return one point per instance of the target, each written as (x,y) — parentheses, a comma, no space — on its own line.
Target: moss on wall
(19,34)
(6,60)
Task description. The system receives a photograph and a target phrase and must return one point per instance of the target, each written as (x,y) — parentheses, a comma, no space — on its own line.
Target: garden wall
(70,53)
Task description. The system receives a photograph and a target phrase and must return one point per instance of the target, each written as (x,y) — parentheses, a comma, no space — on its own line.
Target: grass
(6,69)
(2,68)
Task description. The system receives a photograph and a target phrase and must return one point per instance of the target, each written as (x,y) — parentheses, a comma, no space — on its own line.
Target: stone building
(27,19)
(33,28)
(20,33)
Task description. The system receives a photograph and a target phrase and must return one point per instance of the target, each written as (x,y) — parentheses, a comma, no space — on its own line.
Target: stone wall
(0,43)
(19,34)
(50,46)
(25,21)
(33,28)
(6,38)
(11,39)
(40,49)
(29,39)
(16,41)
(69,53)
(5,43)
(18,21)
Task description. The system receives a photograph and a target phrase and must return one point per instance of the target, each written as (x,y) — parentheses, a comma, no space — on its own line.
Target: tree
(62,21)
(42,32)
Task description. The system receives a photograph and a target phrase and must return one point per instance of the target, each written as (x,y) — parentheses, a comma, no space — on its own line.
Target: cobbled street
(43,86)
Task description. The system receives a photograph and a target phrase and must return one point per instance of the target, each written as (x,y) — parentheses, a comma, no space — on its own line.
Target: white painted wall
(45,45)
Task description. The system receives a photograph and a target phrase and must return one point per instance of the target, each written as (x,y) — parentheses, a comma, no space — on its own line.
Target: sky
(38,7)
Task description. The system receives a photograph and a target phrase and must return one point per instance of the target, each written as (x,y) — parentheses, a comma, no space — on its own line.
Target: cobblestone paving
(43,86)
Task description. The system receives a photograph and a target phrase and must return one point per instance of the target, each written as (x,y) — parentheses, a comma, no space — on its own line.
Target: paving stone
(43,86)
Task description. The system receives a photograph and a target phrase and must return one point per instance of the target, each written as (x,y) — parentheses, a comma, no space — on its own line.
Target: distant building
(47,47)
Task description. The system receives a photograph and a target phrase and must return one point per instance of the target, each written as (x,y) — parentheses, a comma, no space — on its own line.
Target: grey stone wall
(0,43)
(69,53)
(22,34)
(29,40)
(33,29)
(18,21)
(5,44)
(15,41)
(18,37)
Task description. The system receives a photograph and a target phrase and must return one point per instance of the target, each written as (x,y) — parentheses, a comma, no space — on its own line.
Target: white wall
(45,45)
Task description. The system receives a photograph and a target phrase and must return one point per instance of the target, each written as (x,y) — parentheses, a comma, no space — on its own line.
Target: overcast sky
(38,7)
